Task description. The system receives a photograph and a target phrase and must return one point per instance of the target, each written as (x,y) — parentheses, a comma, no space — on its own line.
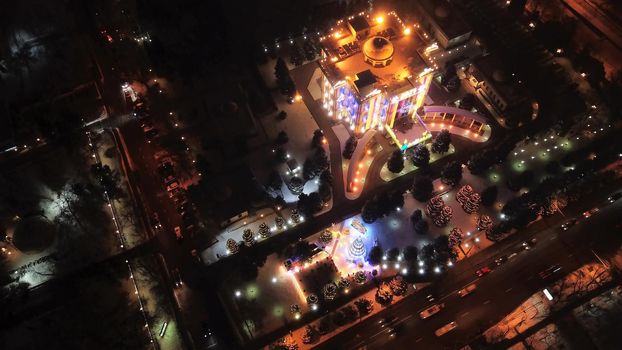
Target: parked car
(590,212)
(178,233)
(180,199)
(184,208)
(432,310)
(196,255)
(467,290)
(446,328)
(146,124)
(169,179)
(151,134)
(483,271)
(172,186)
(175,192)
(568,224)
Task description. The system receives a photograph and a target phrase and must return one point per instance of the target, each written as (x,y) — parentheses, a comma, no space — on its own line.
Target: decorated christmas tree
(264,230)
(473,203)
(455,237)
(439,212)
(279,222)
(360,277)
(232,246)
(463,194)
(329,291)
(344,285)
(326,236)
(398,286)
(383,294)
(469,200)
(484,223)
(435,206)
(357,249)
(249,237)
(310,335)
(312,299)
(295,216)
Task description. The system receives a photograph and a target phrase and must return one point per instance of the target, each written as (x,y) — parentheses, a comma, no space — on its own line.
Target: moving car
(590,212)
(446,328)
(395,330)
(155,221)
(614,197)
(176,278)
(387,321)
(432,310)
(178,234)
(549,271)
(500,260)
(467,290)
(568,224)
(483,271)
(529,244)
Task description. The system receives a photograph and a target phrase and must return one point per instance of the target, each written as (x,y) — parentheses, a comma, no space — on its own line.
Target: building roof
(489,68)
(346,49)
(359,23)
(446,17)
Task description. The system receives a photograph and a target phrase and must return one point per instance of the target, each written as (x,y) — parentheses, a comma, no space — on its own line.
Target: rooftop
(446,16)
(345,57)
(492,70)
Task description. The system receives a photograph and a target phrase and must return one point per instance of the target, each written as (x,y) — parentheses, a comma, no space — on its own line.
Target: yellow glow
(407,31)
(334,59)
(379,19)
(337,35)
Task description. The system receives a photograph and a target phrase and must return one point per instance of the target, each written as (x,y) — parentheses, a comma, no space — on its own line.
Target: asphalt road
(497,294)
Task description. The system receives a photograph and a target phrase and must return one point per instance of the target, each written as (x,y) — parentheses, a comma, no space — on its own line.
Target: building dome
(441,12)
(378,51)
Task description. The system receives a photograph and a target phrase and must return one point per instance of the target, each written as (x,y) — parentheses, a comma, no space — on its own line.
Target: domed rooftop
(378,49)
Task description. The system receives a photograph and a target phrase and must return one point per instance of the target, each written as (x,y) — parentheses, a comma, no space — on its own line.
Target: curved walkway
(473,126)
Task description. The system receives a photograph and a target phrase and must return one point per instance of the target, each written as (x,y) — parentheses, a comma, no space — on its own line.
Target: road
(601,21)
(497,294)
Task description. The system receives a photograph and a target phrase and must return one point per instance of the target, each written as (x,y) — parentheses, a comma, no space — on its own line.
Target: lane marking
(418,340)
(464,314)
(509,289)
(487,302)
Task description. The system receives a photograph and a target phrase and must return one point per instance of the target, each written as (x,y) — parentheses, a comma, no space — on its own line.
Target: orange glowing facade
(372,72)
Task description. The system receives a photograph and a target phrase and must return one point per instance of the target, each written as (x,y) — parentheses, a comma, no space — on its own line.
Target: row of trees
(381,205)
(553,192)
(283,79)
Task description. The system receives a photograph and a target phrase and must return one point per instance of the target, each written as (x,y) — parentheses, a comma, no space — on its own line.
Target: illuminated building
(373,75)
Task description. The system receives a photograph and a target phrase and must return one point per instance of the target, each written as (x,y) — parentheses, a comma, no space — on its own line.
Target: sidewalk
(297,336)
(145,282)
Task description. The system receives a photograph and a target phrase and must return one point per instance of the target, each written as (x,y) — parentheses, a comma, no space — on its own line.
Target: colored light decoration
(380,19)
